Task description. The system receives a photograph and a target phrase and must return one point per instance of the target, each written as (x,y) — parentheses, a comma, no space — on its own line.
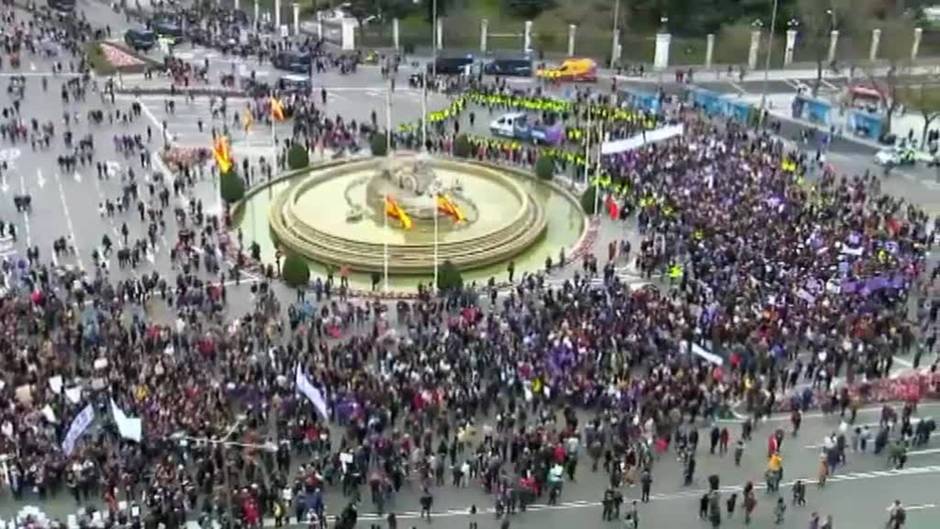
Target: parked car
(516,125)
(450,65)
(518,67)
(292,62)
(896,155)
(294,84)
(571,70)
(168,29)
(140,39)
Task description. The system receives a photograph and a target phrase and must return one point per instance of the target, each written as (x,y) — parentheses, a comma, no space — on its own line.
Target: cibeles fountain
(414,184)
(334,214)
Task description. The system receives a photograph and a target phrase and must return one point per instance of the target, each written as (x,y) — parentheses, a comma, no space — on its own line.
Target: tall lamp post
(615,38)
(770,48)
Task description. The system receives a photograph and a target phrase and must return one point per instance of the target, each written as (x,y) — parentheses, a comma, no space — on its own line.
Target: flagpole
(587,145)
(434,288)
(597,169)
(424,114)
(274,144)
(388,120)
(388,153)
(385,245)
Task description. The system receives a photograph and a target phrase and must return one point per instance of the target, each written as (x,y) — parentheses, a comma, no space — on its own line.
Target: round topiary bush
(545,167)
(295,271)
(587,200)
(448,277)
(297,157)
(379,144)
(462,146)
(231,187)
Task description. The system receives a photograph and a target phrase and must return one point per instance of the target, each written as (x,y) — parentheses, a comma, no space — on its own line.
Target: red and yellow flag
(448,207)
(277,109)
(222,154)
(393,210)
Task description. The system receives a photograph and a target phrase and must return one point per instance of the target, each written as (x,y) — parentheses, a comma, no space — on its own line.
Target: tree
(733,44)
(295,271)
(297,157)
(897,38)
(448,277)
(231,187)
(527,9)
(379,144)
(588,200)
(462,146)
(925,99)
(545,167)
(817,20)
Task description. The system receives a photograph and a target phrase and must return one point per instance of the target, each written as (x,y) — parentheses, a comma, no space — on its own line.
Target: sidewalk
(719,74)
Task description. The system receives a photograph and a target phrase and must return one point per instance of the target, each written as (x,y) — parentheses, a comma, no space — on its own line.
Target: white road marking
(149,113)
(924,452)
(903,362)
(68,221)
(40,179)
(684,494)
(785,417)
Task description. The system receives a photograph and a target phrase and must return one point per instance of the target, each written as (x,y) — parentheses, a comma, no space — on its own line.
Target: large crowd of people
(796,276)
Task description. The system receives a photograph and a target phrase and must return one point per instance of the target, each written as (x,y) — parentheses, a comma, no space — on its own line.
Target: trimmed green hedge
(545,167)
(379,144)
(448,277)
(231,187)
(297,157)
(462,147)
(295,271)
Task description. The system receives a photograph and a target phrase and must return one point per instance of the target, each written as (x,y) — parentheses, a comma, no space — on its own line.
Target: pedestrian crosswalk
(627,275)
(7,247)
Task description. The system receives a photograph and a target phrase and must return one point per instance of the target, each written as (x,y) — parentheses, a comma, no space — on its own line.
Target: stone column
(833,44)
(319,26)
(572,31)
(484,30)
(915,46)
(396,34)
(440,33)
(661,58)
(527,36)
(875,43)
(237,6)
(709,49)
(296,7)
(257,12)
(277,16)
(791,43)
(752,51)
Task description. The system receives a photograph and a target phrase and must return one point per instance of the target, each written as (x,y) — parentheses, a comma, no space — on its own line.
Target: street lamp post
(615,38)
(792,30)
(434,37)
(770,47)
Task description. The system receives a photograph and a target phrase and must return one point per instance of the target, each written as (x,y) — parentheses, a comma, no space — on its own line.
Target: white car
(895,156)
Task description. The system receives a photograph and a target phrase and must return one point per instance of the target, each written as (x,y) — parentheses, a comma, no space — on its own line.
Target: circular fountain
(334,214)
(338,216)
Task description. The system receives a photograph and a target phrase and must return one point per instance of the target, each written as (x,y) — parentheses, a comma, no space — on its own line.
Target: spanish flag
(222,154)
(448,207)
(393,210)
(277,109)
